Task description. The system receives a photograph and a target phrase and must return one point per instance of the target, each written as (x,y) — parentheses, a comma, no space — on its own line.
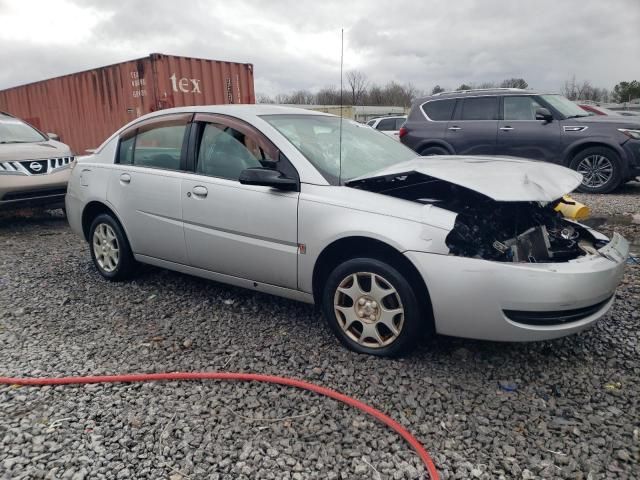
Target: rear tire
(601,169)
(430,151)
(371,307)
(110,250)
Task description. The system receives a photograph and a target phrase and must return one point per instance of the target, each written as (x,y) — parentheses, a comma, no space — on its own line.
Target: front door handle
(506,129)
(455,128)
(125,178)
(200,191)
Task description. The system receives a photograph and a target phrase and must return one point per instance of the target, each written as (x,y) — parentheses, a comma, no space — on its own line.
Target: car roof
(8,115)
(246,112)
(387,116)
(477,92)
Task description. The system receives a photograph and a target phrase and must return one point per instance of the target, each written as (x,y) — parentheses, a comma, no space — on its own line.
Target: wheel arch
(435,143)
(92,210)
(346,248)
(575,148)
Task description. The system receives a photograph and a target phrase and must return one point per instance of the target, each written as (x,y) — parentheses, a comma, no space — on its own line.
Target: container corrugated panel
(85,108)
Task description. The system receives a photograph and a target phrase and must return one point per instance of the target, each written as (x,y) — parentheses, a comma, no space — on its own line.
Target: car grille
(50,192)
(557,317)
(35,167)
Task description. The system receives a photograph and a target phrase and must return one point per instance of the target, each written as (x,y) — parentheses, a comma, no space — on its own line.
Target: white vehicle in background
(388,125)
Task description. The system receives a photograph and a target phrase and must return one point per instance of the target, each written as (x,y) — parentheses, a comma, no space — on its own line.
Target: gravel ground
(560,409)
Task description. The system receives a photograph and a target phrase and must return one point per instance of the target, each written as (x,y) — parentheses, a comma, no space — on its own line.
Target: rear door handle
(200,191)
(506,129)
(454,128)
(125,178)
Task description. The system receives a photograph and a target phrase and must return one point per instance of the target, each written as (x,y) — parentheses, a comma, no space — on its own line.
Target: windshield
(13,130)
(317,137)
(565,106)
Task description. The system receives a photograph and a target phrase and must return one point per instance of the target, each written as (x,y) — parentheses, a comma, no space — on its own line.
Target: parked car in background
(305,205)
(34,168)
(388,125)
(598,110)
(524,123)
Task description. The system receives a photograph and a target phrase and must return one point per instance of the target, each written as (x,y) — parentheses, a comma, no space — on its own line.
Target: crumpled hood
(504,179)
(33,151)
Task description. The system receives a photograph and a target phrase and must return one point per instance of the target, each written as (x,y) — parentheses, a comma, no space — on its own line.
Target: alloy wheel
(368,309)
(596,170)
(106,248)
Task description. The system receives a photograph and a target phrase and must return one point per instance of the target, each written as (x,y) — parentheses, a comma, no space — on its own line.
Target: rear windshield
(317,137)
(13,130)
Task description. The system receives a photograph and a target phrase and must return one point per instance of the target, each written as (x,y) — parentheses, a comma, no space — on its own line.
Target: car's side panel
(88,183)
(148,201)
(532,139)
(241,230)
(401,224)
(229,279)
(573,142)
(423,134)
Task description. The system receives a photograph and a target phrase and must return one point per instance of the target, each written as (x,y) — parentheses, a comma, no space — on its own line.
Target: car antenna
(340,141)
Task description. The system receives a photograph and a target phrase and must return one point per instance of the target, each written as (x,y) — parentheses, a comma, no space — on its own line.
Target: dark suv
(523,123)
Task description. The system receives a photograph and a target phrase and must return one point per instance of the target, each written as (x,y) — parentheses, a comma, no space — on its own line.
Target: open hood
(504,179)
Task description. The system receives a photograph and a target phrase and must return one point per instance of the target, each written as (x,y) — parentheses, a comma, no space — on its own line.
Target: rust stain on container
(84,108)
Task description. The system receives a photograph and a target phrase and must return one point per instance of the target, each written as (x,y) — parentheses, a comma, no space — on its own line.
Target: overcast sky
(296,44)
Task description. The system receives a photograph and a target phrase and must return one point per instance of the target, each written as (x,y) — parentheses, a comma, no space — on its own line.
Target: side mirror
(267,177)
(53,136)
(544,114)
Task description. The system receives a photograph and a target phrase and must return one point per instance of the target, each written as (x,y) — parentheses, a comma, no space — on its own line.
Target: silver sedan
(391,246)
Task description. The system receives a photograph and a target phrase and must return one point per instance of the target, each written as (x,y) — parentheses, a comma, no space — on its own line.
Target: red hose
(246,377)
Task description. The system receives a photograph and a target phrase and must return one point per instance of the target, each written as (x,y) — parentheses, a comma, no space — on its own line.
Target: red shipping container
(84,108)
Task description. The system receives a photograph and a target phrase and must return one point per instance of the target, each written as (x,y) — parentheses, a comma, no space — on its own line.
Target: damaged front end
(502,230)
(518,232)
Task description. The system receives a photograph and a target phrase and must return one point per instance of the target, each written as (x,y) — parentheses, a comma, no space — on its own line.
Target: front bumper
(30,190)
(632,150)
(503,301)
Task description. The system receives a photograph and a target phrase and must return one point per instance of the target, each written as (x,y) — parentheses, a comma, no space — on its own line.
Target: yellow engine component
(573,209)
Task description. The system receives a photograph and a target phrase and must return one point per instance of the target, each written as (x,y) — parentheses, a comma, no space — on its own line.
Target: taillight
(403,131)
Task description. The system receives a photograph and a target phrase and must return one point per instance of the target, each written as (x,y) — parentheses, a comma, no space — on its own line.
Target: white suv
(388,125)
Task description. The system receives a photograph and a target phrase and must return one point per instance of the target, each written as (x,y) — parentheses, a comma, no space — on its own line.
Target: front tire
(371,307)
(601,169)
(110,250)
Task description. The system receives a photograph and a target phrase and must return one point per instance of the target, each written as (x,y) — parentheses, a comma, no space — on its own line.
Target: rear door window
(157,143)
(480,108)
(160,146)
(439,110)
(387,124)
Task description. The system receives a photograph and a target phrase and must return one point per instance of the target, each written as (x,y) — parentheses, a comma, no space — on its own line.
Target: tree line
(357,90)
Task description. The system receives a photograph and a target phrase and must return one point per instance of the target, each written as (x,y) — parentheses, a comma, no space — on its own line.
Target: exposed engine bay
(518,232)
(500,231)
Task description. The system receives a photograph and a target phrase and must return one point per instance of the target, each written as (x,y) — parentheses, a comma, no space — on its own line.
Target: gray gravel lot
(573,412)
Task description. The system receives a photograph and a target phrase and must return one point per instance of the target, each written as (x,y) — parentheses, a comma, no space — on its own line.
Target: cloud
(296,44)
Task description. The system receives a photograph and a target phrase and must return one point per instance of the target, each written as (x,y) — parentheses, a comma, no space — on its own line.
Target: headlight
(631,133)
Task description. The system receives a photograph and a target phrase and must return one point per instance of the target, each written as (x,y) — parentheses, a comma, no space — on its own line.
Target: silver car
(391,246)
